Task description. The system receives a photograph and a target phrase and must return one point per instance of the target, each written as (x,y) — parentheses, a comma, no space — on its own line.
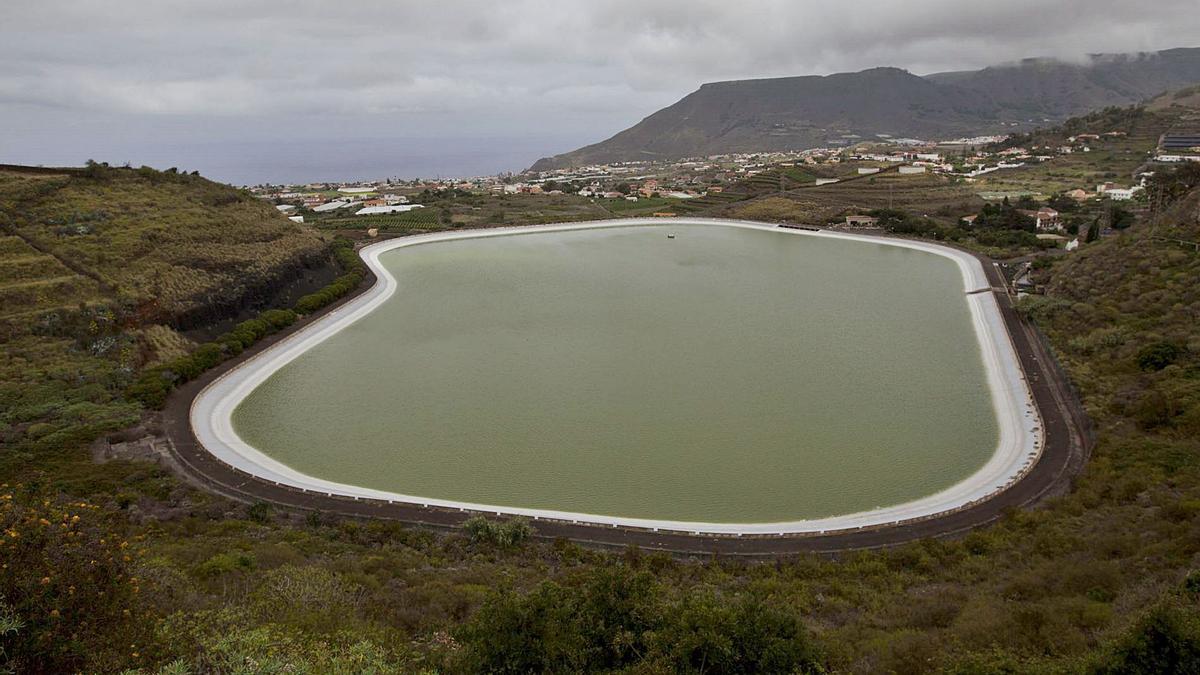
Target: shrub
(741,636)
(69,577)
(151,389)
(617,618)
(278,319)
(506,534)
(1158,355)
(1167,640)
(259,512)
(222,564)
(535,633)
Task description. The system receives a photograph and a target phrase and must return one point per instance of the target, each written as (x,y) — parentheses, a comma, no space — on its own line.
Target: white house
(330,206)
(396,208)
(1122,194)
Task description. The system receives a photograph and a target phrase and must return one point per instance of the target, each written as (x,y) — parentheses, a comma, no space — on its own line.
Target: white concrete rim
(1021,433)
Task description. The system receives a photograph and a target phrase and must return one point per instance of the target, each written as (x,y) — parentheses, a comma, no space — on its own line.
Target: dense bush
(68,578)
(1158,355)
(513,532)
(1005,216)
(1167,640)
(153,386)
(617,617)
(355,271)
(330,294)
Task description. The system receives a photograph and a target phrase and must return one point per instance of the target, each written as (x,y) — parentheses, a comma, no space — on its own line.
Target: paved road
(1067,435)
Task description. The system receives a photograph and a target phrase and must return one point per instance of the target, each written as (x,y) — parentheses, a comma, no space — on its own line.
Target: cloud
(268,57)
(522,66)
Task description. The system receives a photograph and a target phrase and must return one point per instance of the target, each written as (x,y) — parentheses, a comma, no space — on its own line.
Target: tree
(1119,218)
(624,188)
(1004,216)
(1170,185)
(1062,203)
(1026,202)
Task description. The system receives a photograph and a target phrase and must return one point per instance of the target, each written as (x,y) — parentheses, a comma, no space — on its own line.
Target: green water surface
(725,375)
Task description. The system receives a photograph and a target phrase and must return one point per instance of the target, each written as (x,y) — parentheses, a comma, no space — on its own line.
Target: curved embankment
(1035,453)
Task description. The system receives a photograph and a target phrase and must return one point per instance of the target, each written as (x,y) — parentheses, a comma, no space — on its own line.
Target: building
(907,170)
(330,206)
(376,210)
(1122,194)
(862,221)
(1079,194)
(1180,140)
(1173,159)
(1046,218)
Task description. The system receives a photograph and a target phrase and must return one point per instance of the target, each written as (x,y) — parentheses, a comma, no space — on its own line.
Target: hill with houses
(796,113)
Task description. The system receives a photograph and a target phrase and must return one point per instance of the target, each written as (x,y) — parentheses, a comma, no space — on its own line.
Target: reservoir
(723,375)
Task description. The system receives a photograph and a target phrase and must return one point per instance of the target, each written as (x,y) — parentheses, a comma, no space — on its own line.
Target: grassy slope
(223,585)
(173,241)
(88,265)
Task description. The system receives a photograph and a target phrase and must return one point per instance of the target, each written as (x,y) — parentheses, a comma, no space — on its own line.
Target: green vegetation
(505,535)
(155,383)
(617,617)
(643,206)
(166,243)
(354,269)
(120,565)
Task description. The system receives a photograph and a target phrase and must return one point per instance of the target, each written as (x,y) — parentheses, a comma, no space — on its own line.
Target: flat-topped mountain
(794,113)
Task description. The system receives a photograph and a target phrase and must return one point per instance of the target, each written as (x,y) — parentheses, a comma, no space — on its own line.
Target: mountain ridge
(800,112)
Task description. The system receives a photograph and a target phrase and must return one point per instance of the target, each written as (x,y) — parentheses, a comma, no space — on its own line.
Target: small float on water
(670,235)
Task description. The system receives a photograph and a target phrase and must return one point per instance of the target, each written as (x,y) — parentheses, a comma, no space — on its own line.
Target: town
(1058,186)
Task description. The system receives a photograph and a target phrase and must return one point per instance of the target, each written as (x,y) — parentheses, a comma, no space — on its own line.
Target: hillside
(173,246)
(101,269)
(123,567)
(795,113)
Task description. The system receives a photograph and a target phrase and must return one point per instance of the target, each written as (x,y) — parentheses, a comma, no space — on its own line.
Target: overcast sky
(181,82)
